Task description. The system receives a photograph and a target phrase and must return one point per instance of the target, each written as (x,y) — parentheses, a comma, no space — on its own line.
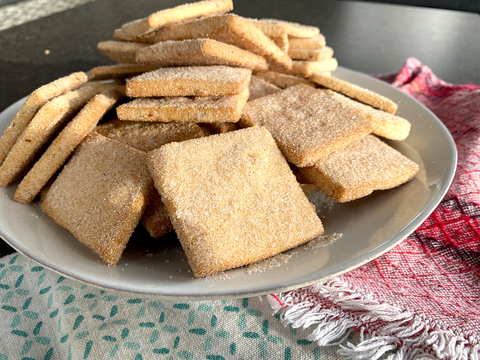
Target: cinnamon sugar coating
(64,144)
(33,103)
(231,29)
(384,124)
(356,92)
(199,52)
(274,32)
(295,29)
(311,54)
(356,171)
(133,30)
(315,42)
(190,81)
(259,87)
(120,51)
(146,136)
(119,71)
(46,123)
(281,80)
(307,68)
(306,123)
(102,206)
(232,199)
(155,219)
(199,109)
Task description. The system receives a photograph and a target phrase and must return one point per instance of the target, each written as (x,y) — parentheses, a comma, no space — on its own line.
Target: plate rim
(334,271)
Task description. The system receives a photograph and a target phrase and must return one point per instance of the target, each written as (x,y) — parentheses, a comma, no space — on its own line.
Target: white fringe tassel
(409,336)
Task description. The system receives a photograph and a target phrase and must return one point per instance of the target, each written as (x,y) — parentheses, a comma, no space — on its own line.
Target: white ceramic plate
(370,226)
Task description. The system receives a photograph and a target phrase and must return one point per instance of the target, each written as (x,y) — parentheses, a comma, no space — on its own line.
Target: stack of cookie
(177,159)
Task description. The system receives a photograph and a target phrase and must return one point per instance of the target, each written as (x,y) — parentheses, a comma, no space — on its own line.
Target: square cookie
(146,135)
(197,109)
(232,199)
(101,194)
(367,165)
(199,52)
(306,123)
(190,81)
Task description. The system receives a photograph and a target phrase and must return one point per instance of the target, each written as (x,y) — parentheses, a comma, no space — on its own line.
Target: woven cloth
(420,300)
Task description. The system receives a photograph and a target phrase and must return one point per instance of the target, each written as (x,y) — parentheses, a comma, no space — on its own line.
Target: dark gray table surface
(368,37)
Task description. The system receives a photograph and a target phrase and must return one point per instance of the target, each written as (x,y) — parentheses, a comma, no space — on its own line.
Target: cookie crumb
(267,264)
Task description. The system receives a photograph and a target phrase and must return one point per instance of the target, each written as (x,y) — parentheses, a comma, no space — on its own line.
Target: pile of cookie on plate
(220,118)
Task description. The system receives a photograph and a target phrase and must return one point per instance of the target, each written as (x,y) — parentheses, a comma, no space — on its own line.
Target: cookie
(384,124)
(133,30)
(230,29)
(155,218)
(33,103)
(307,68)
(190,81)
(259,87)
(356,92)
(295,29)
(120,51)
(281,80)
(101,194)
(306,123)
(43,128)
(146,136)
(361,168)
(315,42)
(199,109)
(249,205)
(199,52)
(311,54)
(120,71)
(274,32)
(64,144)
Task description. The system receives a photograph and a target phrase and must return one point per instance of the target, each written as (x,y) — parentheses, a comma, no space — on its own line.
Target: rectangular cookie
(120,51)
(101,194)
(199,109)
(231,29)
(43,128)
(259,87)
(307,68)
(306,123)
(315,42)
(295,29)
(120,71)
(199,52)
(274,32)
(356,92)
(311,54)
(190,81)
(155,218)
(64,144)
(33,103)
(361,168)
(282,80)
(384,124)
(133,30)
(146,136)
(249,205)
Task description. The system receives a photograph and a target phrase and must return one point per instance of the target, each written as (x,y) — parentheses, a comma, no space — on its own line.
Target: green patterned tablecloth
(44,315)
